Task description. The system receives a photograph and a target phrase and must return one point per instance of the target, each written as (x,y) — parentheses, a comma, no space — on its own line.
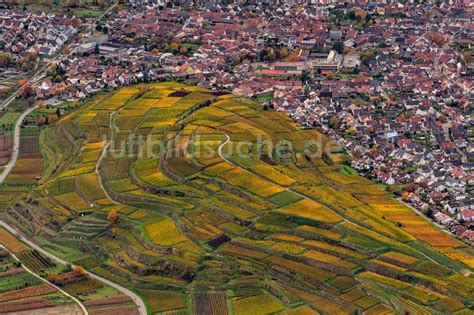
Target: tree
(52,118)
(439,39)
(405,195)
(52,70)
(5,59)
(77,23)
(112,216)
(72,3)
(338,46)
(293,57)
(183,50)
(27,91)
(41,120)
(330,76)
(79,270)
(304,76)
(334,121)
(155,51)
(351,15)
(4,90)
(283,52)
(96,49)
(467,57)
(175,40)
(174,46)
(361,16)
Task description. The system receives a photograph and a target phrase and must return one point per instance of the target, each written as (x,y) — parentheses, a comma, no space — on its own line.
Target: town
(392,83)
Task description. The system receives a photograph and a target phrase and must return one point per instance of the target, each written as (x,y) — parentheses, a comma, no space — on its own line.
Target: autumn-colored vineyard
(205,202)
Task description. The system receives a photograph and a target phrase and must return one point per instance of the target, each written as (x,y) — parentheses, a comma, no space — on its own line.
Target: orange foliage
(79,269)
(112,216)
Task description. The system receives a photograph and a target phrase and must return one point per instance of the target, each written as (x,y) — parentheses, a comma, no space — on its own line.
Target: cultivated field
(209,204)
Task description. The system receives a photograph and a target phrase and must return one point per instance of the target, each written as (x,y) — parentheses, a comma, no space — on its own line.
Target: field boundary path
(135,298)
(103,154)
(16,144)
(83,308)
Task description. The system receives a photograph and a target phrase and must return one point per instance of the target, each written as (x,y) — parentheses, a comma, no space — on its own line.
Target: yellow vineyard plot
(89,156)
(78,170)
(128,91)
(157,179)
(134,112)
(87,117)
(73,201)
(329,259)
(311,230)
(388,265)
(335,249)
(10,242)
(405,259)
(212,112)
(166,102)
(287,237)
(311,210)
(250,182)
(397,284)
(141,104)
(89,185)
(94,145)
(426,232)
(256,305)
(288,248)
(272,174)
(165,233)
(462,257)
(233,210)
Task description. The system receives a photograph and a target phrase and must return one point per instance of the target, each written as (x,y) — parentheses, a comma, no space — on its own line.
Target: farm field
(21,291)
(182,195)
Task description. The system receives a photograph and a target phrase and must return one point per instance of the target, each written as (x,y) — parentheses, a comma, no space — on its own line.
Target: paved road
(104,153)
(83,308)
(136,299)
(16,144)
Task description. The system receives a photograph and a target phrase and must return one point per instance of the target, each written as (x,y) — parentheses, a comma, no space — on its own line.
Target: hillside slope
(206,203)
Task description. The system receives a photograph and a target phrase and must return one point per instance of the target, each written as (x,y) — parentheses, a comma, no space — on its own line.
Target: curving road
(16,144)
(83,308)
(136,299)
